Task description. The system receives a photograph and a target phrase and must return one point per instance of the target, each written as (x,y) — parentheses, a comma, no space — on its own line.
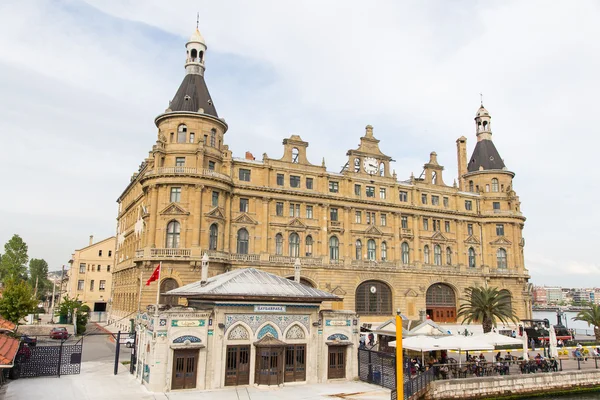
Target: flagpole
(158,284)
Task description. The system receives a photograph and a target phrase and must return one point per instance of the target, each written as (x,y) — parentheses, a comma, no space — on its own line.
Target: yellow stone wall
(146,209)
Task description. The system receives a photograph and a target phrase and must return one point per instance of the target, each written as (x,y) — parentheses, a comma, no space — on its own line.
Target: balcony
(405,232)
(244,257)
(186,171)
(215,255)
(336,226)
(139,253)
(292,260)
(170,253)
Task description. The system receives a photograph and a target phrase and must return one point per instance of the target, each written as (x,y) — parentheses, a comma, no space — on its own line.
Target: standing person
(532,344)
(371,339)
(560,343)
(513,334)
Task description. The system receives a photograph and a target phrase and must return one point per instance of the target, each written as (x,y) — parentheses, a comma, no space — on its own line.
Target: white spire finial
(297,267)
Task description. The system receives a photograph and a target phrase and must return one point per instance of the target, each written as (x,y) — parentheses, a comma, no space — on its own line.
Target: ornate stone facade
(382,242)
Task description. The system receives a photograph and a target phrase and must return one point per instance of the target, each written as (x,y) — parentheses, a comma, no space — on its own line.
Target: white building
(246,327)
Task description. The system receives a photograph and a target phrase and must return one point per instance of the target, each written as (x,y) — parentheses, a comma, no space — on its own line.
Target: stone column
(264,245)
(396,240)
(227,222)
(416,255)
(461,258)
(197,215)
(324,210)
(152,234)
(347,234)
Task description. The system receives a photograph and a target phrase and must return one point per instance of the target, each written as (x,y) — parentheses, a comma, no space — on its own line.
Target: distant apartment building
(90,275)
(554,295)
(539,296)
(581,296)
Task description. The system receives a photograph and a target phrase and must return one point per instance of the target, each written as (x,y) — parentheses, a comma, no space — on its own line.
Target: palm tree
(592,317)
(486,305)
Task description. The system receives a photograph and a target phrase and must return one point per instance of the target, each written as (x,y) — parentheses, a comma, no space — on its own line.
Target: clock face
(370,165)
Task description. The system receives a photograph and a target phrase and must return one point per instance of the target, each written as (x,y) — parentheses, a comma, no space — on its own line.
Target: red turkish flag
(154,276)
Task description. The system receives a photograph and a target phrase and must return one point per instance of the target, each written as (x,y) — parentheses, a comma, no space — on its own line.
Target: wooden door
(295,363)
(443,314)
(269,366)
(337,362)
(237,365)
(185,363)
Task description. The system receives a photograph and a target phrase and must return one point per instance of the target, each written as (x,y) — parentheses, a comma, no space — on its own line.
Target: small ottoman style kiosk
(245,327)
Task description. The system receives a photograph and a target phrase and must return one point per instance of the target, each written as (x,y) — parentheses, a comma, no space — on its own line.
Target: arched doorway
(165,286)
(441,303)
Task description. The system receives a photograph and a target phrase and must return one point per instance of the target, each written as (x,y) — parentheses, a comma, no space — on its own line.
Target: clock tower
(368,159)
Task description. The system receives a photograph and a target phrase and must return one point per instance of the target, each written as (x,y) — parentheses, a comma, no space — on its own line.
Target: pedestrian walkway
(97,382)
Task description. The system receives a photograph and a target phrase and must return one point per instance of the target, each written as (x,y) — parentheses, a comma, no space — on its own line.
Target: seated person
(499,356)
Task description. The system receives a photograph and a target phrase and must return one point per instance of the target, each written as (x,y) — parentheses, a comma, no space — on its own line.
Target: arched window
(295,154)
(437,255)
(471,186)
(507,298)
(213,235)
(501,256)
(181,133)
(405,253)
(383,251)
(242,241)
(494,185)
(373,298)
(173,232)
(294,245)
(308,245)
(279,244)
(381,169)
(194,54)
(426,254)
(213,137)
(448,256)
(200,55)
(334,248)
(358,250)
(165,286)
(471,257)
(371,249)
(357,164)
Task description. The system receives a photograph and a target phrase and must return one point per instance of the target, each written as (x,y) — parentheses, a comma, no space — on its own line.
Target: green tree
(70,307)
(592,317)
(38,271)
(14,260)
(17,300)
(486,305)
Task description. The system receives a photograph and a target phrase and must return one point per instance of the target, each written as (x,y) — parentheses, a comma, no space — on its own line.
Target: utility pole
(36,286)
(62,275)
(52,307)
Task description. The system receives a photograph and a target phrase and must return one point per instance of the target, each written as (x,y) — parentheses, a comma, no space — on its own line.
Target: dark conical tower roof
(193,95)
(485,155)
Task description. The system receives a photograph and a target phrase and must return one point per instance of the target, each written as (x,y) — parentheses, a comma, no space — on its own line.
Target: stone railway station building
(379,242)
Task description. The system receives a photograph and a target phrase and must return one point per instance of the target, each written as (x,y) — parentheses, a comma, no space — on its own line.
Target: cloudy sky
(81,83)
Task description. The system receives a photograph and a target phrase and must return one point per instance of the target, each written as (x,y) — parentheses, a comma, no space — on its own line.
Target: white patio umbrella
(553,344)
(497,339)
(420,343)
(463,343)
(525,346)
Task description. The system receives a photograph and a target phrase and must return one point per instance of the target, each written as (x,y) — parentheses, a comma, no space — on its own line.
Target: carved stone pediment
(472,240)
(501,241)
(410,293)
(373,230)
(439,236)
(244,218)
(215,213)
(174,209)
(296,223)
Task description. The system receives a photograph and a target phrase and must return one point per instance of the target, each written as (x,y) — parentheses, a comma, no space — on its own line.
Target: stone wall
(482,388)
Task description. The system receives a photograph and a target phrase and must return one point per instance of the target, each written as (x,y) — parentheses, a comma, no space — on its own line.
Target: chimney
(249,156)
(461,154)
(204,271)
(91,240)
(297,267)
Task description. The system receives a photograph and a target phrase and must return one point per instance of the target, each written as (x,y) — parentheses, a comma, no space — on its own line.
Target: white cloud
(91,78)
